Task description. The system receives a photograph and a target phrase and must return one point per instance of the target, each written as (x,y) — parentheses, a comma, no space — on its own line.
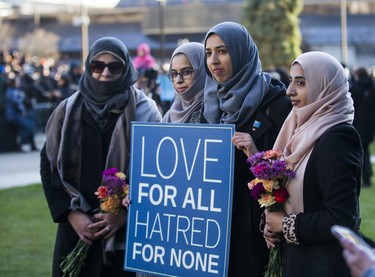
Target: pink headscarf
(143,60)
(329,104)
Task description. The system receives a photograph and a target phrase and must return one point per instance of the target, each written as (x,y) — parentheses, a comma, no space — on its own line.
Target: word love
(177,155)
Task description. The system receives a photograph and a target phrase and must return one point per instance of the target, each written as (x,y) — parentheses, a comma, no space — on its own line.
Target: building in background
(164,24)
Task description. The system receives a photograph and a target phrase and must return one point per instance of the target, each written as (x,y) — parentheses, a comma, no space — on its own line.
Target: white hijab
(329,104)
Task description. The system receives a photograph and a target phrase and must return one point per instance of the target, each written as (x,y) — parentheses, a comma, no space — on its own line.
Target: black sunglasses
(114,67)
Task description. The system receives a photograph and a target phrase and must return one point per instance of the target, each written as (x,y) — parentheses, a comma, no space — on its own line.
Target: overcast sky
(30,6)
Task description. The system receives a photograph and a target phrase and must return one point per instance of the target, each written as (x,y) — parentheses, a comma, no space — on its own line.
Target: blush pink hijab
(329,104)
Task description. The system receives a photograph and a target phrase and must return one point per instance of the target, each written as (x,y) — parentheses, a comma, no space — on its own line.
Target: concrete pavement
(21,168)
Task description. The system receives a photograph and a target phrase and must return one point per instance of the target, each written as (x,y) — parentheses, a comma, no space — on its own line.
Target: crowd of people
(29,93)
(320,119)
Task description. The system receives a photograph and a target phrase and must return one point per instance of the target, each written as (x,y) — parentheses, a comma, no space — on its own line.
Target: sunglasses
(114,68)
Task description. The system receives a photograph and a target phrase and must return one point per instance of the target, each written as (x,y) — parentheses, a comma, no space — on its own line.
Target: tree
(41,44)
(6,34)
(273,25)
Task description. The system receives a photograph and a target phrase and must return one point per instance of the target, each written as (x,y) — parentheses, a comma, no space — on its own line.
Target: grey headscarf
(237,99)
(102,97)
(189,102)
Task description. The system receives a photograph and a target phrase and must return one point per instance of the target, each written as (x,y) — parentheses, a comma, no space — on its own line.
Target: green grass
(28,233)
(367,205)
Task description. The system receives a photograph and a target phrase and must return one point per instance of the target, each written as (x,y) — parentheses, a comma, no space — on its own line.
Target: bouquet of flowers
(268,188)
(110,194)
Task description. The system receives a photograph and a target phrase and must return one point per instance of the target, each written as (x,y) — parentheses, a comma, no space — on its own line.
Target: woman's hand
(244,142)
(80,223)
(108,224)
(270,237)
(273,226)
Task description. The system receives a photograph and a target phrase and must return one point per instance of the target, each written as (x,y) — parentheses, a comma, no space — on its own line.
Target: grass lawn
(28,233)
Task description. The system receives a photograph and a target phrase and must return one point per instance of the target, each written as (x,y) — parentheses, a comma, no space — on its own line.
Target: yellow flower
(126,190)
(120,175)
(269,185)
(254,182)
(266,200)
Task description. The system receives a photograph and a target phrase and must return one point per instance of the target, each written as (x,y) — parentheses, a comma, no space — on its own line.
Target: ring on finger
(107,229)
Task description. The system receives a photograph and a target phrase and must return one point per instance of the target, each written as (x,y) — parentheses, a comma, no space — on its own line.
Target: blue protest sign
(181,182)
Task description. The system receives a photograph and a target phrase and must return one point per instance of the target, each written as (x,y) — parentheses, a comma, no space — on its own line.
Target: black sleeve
(57,198)
(331,186)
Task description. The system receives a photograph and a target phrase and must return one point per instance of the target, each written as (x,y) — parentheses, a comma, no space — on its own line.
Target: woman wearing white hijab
(188,76)
(319,141)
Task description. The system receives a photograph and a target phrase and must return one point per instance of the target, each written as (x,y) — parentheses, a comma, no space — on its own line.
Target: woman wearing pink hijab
(319,141)
(144,60)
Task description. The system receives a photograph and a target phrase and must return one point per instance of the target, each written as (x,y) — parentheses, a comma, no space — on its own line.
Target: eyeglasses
(184,74)
(114,67)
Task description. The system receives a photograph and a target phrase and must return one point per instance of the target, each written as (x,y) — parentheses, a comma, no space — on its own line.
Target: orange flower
(111,205)
(272,154)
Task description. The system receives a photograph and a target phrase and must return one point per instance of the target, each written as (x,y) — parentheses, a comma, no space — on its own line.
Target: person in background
(360,260)
(167,91)
(144,60)
(64,87)
(88,133)
(20,114)
(319,141)
(188,77)
(74,74)
(363,93)
(239,93)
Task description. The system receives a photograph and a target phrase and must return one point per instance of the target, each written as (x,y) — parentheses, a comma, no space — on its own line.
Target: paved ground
(20,168)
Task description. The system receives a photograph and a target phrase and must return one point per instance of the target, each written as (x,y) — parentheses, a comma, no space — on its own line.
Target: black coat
(94,153)
(248,250)
(330,194)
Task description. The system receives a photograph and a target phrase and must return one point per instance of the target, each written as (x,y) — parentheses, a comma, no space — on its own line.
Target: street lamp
(83,20)
(344,34)
(161,30)
(85,32)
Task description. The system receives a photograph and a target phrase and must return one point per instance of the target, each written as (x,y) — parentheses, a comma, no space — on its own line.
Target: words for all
(164,195)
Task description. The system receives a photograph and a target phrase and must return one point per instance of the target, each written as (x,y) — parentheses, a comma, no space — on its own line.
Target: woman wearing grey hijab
(186,71)
(86,134)
(257,104)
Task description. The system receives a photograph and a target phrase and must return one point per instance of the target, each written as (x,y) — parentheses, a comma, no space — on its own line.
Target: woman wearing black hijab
(86,134)
(257,104)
